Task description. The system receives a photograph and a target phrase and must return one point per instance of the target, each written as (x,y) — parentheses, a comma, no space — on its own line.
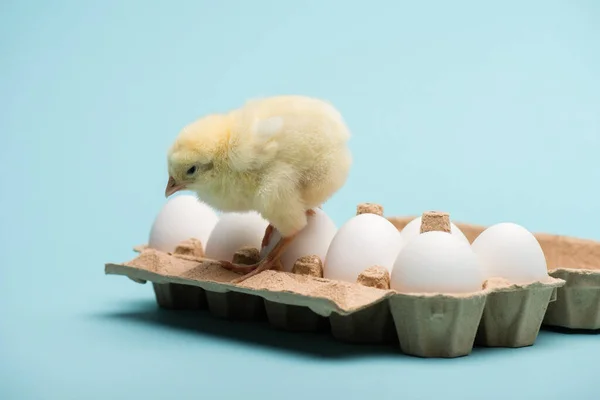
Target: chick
(280,156)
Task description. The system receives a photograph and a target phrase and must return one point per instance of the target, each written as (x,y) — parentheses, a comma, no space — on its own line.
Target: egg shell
(234,231)
(510,251)
(362,242)
(313,240)
(413,229)
(182,217)
(437,262)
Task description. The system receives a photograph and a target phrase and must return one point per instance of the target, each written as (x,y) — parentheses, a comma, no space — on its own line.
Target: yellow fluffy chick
(280,156)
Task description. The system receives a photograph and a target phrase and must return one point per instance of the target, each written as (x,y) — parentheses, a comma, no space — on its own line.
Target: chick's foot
(264,265)
(239,268)
(269,262)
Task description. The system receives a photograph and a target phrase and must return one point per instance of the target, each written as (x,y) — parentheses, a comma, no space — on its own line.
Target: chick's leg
(272,257)
(270,229)
(280,202)
(270,260)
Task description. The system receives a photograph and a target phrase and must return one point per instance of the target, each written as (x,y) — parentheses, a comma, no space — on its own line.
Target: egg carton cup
(448,325)
(578,303)
(574,305)
(513,313)
(437,325)
(294,318)
(371,325)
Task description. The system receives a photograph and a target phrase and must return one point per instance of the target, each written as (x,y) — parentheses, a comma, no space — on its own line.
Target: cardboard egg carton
(501,314)
(574,260)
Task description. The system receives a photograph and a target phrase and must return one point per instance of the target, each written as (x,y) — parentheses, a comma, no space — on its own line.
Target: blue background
(489,111)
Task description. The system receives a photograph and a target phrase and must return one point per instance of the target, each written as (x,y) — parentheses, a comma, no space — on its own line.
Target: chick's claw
(239,268)
(269,262)
(264,265)
(248,270)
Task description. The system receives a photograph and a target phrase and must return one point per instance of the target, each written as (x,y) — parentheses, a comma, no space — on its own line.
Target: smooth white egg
(510,251)
(437,262)
(313,240)
(362,242)
(234,231)
(183,217)
(413,229)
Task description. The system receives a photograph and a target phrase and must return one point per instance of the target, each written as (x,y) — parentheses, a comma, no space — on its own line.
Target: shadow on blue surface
(567,331)
(314,345)
(201,322)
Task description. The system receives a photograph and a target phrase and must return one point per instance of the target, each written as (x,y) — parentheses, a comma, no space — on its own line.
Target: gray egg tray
(424,325)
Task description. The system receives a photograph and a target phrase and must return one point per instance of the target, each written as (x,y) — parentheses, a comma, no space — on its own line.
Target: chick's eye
(191,170)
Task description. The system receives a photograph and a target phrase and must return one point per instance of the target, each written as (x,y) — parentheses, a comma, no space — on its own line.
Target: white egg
(234,231)
(313,240)
(437,262)
(509,251)
(362,242)
(183,217)
(413,229)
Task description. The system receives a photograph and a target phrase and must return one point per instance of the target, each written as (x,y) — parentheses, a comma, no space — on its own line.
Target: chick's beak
(173,187)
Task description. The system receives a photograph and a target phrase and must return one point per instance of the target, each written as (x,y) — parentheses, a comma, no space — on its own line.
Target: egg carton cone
(576,261)
(513,313)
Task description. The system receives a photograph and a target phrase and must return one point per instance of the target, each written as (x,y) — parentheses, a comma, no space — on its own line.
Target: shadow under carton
(574,260)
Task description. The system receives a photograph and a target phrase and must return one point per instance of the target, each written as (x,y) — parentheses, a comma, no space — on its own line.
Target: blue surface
(487,111)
